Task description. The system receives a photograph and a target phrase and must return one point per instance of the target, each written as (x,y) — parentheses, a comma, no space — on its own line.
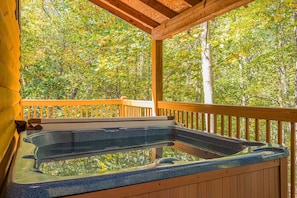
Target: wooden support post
(157,153)
(157,74)
(123,112)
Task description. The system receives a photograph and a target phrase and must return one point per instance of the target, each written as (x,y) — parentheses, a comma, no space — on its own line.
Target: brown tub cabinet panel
(261,180)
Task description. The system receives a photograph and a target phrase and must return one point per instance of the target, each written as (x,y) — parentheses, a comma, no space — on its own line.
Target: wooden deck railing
(271,125)
(86,108)
(71,108)
(137,108)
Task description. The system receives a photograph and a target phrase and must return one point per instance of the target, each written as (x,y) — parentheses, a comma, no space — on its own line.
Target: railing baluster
(187,119)
(102,111)
(34,112)
(203,122)
(29,112)
(257,136)
(41,111)
(237,127)
(197,120)
(222,125)
(279,132)
(53,111)
(71,111)
(191,120)
(147,112)
(215,123)
(247,128)
(47,112)
(87,111)
(90,108)
(65,111)
(268,136)
(229,126)
(106,111)
(181,117)
(208,122)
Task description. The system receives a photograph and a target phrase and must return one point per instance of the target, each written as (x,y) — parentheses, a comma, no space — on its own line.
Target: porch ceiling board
(165,18)
(160,8)
(128,14)
(193,2)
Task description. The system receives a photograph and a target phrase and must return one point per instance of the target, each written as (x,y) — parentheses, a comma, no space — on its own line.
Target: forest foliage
(72,49)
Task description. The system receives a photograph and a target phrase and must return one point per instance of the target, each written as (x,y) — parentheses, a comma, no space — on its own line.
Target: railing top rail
(139,103)
(267,113)
(69,102)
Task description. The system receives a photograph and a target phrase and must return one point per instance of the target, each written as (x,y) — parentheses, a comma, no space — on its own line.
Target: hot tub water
(98,164)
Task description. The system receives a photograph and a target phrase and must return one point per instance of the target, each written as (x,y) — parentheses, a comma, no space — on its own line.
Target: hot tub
(198,163)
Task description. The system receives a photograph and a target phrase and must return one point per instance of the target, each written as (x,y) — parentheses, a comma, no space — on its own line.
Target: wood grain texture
(156,5)
(8,79)
(147,12)
(238,182)
(117,12)
(8,98)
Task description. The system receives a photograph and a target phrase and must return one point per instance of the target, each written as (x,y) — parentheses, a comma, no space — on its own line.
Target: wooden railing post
(122,108)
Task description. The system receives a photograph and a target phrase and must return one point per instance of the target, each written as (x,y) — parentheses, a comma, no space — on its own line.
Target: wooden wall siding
(262,180)
(10,108)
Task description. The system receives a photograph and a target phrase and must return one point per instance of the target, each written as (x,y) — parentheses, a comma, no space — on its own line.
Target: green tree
(73,49)
(81,51)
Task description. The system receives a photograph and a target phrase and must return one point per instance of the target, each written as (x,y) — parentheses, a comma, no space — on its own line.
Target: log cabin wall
(10,99)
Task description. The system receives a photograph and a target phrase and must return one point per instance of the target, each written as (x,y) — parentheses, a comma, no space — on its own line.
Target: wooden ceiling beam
(192,2)
(203,11)
(133,13)
(160,8)
(117,12)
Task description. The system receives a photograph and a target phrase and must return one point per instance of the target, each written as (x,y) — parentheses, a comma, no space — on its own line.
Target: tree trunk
(74,93)
(283,88)
(242,85)
(295,29)
(206,64)
(207,70)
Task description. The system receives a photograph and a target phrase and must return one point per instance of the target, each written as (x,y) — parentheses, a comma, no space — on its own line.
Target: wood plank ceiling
(165,18)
